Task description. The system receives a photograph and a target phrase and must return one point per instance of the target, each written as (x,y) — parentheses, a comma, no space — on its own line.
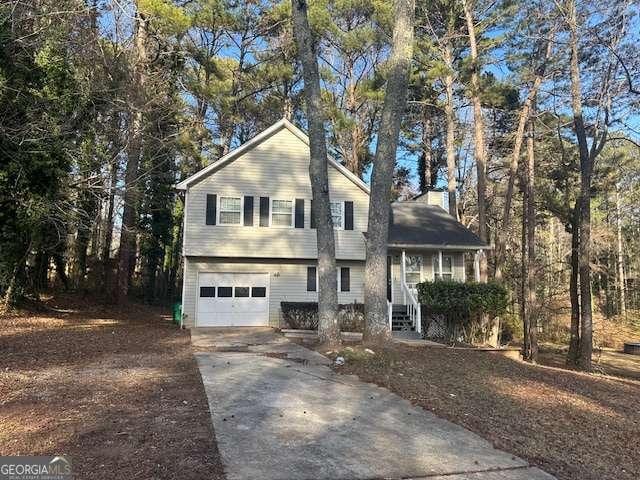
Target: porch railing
(410,298)
(413,307)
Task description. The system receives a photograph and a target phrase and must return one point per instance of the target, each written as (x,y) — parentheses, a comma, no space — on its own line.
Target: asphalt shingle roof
(416,223)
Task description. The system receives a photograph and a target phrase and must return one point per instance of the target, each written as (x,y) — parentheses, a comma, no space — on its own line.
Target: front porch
(406,267)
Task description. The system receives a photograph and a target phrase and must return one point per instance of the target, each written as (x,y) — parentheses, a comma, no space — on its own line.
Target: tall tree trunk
(287,103)
(480,150)
(375,280)
(586,169)
(530,352)
(451,130)
(523,118)
(126,254)
(328,328)
(108,229)
(574,295)
(16,273)
(80,254)
(427,152)
(620,255)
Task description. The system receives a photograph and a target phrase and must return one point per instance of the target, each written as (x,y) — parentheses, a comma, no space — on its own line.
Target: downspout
(184,258)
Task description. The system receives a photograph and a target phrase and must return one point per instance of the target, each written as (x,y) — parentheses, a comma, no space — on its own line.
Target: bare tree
(598,131)
(375,283)
(480,148)
(527,304)
(127,248)
(620,255)
(451,122)
(328,328)
(523,118)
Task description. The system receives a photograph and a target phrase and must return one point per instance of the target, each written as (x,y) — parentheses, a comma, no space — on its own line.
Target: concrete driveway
(280,413)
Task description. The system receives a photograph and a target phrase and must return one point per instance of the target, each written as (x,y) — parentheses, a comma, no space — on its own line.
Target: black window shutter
(312,218)
(345,279)
(299,220)
(264,211)
(211,209)
(348,215)
(311,279)
(248,211)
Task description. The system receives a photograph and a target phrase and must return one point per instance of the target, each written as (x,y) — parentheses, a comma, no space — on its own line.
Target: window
(258,292)
(345,279)
(282,213)
(413,270)
(207,292)
(242,292)
(447,267)
(312,281)
(337,214)
(225,292)
(230,210)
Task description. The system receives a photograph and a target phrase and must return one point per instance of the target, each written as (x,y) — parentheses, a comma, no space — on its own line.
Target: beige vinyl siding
(287,282)
(427,268)
(277,168)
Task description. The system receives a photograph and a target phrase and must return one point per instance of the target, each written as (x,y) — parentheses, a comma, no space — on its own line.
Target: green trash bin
(177,312)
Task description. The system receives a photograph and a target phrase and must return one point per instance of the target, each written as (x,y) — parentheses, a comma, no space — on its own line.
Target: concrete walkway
(280,413)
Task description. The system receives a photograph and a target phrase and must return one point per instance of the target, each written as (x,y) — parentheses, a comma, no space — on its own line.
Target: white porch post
(464,267)
(403,278)
(440,264)
(476,266)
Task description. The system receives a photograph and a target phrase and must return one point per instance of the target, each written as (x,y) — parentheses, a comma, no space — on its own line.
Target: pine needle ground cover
(118,391)
(573,425)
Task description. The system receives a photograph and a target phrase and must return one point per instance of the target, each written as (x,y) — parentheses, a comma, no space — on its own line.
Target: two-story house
(250,241)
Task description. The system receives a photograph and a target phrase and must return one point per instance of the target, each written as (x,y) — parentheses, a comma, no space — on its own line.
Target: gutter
(433,246)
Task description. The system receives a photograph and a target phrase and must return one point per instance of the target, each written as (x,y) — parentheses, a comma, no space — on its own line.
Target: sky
(494,65)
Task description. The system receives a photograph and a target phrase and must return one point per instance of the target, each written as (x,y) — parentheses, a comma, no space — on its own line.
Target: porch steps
(400,320)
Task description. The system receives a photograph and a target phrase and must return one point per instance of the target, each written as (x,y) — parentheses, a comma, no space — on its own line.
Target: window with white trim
(447,267)
(337,214)
(282,213)
(413,270)
(230,211)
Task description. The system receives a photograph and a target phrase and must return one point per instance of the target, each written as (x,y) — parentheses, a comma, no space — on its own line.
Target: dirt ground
(573,425)
(606,362)
(117,391)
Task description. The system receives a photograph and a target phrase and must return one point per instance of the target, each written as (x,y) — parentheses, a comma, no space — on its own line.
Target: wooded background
(526,112)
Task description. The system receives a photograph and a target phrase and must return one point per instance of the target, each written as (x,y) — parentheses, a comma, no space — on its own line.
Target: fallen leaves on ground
(574,425)
(116,389)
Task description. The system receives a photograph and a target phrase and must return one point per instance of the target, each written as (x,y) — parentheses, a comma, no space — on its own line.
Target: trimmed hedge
(304,316)
(466,307)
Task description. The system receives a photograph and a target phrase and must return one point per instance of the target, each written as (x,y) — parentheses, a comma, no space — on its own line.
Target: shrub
(465,307)
(304,316)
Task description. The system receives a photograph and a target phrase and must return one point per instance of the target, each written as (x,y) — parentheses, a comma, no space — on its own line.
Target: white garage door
(233,299)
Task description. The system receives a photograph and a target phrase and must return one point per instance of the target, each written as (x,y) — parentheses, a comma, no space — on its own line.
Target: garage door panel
(233,299)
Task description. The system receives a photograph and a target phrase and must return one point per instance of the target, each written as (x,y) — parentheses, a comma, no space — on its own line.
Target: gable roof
(418,224)
(262,136)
